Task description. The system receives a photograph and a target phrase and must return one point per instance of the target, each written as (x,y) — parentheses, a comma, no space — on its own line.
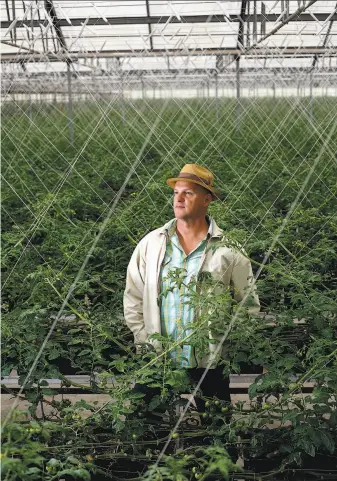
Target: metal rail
(239,383)
(253,53)
(92,21)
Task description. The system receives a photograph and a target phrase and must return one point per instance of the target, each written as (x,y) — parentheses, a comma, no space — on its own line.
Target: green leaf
(53,354)
(328,441)
(84,352)
(48,392)
(309,449)
(155,402)
(81,474)
(73,460)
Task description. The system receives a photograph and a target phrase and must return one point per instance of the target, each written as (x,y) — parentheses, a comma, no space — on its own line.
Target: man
(189,244)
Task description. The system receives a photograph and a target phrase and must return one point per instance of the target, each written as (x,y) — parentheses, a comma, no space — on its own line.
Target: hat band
(194,177)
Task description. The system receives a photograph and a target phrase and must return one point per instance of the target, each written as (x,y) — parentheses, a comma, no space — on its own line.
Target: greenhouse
(169,240)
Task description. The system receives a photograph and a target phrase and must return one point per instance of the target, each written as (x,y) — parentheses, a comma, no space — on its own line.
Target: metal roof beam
(267,73)
(243,19)
(325,40)
(149,23)
(50,9)
(294,52)
(9,19)
(77,22)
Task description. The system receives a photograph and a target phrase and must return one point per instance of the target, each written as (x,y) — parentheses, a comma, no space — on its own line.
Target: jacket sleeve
(133,296)
(243,281)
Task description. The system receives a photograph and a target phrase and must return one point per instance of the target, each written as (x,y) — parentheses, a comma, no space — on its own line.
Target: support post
(238,94)
(311,99)
(143,89)
(70,106)
(219,67)
(255,23)
(263,19)
(248,26)
(216,97)
(122,99)
(14,15)
(30,112)
(30,109)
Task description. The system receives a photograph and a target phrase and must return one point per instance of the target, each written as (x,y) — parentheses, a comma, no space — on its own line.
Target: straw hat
(196,174)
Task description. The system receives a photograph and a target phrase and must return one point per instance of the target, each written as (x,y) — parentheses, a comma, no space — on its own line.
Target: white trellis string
(249,291)
(48,26)
(85,262)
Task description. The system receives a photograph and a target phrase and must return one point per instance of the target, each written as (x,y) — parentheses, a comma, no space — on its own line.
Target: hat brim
(172,181)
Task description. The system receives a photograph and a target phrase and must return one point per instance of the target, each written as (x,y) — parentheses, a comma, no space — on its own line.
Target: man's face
(190,200)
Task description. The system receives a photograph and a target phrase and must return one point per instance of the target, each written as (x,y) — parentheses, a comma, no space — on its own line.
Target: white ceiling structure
(150,38)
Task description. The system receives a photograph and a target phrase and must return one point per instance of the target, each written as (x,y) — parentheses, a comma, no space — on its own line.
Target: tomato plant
(52,214)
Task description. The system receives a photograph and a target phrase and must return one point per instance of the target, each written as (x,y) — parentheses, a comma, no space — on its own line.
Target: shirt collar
(171,227)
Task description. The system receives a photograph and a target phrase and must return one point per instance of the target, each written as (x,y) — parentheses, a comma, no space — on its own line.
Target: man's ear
(208,199)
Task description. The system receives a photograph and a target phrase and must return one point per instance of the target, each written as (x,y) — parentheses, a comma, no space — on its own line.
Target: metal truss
(43,33)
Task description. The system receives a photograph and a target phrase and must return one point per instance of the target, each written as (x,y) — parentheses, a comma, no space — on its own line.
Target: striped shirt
(178,270)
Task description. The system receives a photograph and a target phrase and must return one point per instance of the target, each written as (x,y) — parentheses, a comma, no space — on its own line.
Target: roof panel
(277,7)
(181,8)
(197,28)
(171,30)
(275,63)
(195,41)
(82,9)
(292,40)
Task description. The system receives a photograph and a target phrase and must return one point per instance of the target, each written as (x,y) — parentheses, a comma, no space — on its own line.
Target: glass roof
(161,35)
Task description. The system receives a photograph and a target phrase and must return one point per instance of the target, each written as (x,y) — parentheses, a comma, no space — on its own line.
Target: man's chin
(179,213)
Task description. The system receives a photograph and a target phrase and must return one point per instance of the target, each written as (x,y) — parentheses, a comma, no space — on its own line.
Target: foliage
(56,197)
(25,456)
(209,460)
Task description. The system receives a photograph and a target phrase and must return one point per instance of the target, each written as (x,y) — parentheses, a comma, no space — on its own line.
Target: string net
(94,93)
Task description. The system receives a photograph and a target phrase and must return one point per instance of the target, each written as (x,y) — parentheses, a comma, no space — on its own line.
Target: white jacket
(141,308)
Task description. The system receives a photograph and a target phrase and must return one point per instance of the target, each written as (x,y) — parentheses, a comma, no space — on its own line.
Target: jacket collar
(214,230)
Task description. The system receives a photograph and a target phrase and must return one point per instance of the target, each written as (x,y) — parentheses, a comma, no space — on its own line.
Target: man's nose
(180,197)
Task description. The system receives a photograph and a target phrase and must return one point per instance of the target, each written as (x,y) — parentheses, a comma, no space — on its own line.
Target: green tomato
(217,403)
(207,404)
(224,409)
(266,406)
(175,435)
(134,436)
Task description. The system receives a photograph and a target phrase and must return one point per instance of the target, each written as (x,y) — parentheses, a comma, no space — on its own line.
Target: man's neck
(192,228)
